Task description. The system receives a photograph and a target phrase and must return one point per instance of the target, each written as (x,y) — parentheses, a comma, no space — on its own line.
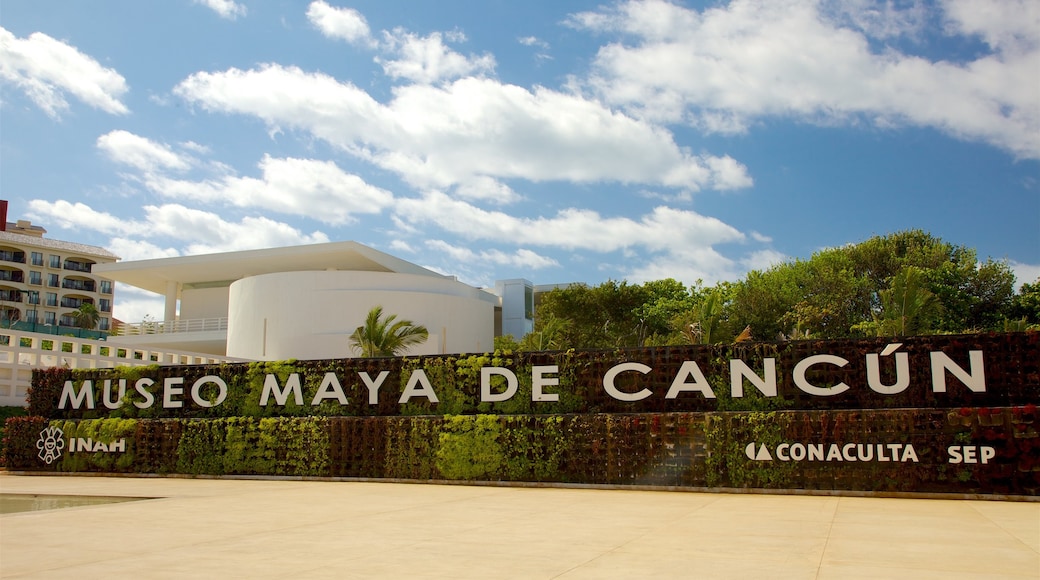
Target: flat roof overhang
(155,275)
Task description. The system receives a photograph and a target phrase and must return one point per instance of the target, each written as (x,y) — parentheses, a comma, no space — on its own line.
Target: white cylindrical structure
(311,315)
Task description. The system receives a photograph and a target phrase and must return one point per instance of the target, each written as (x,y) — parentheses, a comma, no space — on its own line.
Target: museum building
(303,302)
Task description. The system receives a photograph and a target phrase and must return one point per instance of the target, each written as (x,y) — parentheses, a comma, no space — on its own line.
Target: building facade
(44,282)
(303,302)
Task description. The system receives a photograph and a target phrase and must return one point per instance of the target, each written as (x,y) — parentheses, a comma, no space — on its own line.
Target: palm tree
(87,316)
(383,337)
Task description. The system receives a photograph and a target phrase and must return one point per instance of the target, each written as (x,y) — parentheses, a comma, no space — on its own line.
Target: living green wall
(684,450)
(920,439)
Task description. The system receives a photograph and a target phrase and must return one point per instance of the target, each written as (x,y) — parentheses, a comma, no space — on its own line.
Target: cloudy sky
(553,141)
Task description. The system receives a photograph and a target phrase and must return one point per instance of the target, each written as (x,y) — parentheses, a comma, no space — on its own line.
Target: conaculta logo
(847,452)
(50,444)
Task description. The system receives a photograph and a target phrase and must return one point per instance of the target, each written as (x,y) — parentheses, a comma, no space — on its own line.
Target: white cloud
(129,149)
(1025,273)
(726,66)
(133,304)
(47,70)
(316,189)
(202,232)
(487,189)
(533,41)
(426,59)
(521,258)
(208,233)
(1007,25)
(342,23)
(439,136)
(78,215)
(225,8)
(662,229)
(130,250)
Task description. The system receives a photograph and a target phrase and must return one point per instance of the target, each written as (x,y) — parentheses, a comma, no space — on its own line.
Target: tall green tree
(386,336)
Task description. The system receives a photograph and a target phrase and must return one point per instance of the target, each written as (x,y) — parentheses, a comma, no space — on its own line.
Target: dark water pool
(26,502)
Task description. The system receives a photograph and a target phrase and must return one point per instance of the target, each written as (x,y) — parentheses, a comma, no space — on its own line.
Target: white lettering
(329,389)
(486,395)
(803,384)
(942,363)
(412,389)
(816,452)
(538,381)
(107,394)
(909,454)
(281,394)
(196,391)
(739,370)
(69,395)
(171,389)
(373,386)
(847,453)
(902,374)
(612,390)
(700,384)
(141,386)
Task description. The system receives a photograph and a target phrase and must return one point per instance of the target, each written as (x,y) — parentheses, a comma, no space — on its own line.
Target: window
(105,305)
(104,324)
(106,286)
(30,316)
(52,280)
(37,258)
(32,297)
(35,278)
(55,261)
(52,299)
(50,317)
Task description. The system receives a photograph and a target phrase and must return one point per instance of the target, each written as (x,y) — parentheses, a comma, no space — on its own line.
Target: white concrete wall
(204,303)
(310,315)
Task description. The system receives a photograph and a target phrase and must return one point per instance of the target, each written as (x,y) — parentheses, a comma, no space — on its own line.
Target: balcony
(83,285)
(77,266)
(74,302)
(9,256)
(12,276)
(173,326)
(10,295)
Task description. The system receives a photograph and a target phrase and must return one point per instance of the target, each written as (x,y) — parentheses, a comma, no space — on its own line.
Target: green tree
(907,307)
(1026,304)
(382,336)
(87,316)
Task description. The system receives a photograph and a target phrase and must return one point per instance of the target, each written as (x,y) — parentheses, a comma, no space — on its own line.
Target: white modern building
(303,302)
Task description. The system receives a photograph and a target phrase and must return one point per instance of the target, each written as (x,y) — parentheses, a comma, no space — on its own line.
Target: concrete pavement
(209,528)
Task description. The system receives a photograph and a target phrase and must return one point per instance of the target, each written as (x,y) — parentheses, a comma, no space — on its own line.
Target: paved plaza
(220,528)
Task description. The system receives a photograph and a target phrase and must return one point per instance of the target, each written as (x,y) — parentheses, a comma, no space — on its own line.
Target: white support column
(172,290)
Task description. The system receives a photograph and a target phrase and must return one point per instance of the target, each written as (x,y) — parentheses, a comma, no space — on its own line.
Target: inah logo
(50,444)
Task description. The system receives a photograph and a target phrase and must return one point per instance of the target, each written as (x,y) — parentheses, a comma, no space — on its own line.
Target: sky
(553,141)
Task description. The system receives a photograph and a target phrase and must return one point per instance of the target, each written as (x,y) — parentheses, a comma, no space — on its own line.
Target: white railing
(23,351)
(173,326)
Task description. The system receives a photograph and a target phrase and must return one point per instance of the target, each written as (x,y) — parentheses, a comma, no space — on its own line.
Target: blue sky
(554,141)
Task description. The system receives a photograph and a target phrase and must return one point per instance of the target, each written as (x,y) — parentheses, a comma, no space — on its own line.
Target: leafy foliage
(839,292)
